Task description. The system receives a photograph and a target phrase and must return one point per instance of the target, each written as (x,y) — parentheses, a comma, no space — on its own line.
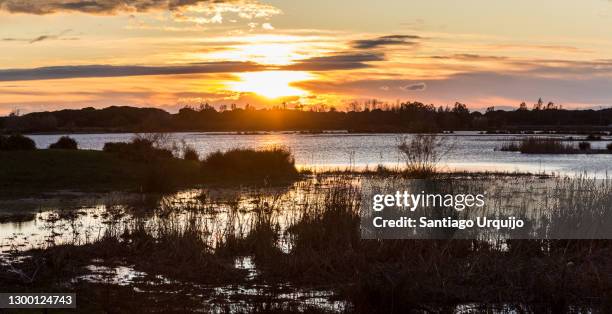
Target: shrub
(609,146)
(251,165)
(16,142)
(584,145)
(164,172)
(422,152)
(139,149)
(64,142)
(189,153)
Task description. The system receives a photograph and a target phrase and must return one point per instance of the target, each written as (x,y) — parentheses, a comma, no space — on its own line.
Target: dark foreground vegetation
(149,163)
(183,249)
(239,165)
(371,116)
(16,142)
(27,172)
(64,142)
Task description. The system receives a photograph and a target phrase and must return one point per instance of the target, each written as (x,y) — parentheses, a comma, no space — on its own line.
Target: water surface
(471,151)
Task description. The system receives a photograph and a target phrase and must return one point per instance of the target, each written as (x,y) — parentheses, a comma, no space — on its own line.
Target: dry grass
(317,243)
(423,152)
(532,145)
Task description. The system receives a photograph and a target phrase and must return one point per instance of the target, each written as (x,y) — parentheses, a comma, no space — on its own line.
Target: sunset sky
(170,53)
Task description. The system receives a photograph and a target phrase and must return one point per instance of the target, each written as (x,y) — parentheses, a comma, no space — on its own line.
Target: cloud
(244,8)
(212,11)
(470,57)
(59,36)
(385,41)
(89,6)
(336,62)
(549,48)
(85,71)
(415,87)
(479,88)
(325,63)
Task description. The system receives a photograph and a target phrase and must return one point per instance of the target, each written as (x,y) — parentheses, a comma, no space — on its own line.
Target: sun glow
(268,50)
(271,84)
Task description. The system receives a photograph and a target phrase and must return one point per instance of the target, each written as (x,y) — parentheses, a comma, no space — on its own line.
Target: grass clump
(271,165)
(510,147)
(422,153)
(532,145)
(164,172)
(16,142)
(189,153)
(64,142)
(584,145)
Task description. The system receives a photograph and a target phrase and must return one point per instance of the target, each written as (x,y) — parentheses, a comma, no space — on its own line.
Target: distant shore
(408,117)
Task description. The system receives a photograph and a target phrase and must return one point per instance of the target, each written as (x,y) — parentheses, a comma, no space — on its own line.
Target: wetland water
(471,151)
(219,213)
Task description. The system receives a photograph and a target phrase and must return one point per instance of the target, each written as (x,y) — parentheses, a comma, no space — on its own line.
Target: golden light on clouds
(268,54)
(171,53)
(265,49)
(271,84)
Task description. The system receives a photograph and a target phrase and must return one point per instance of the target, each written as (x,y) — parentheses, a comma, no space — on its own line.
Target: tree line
(403,117)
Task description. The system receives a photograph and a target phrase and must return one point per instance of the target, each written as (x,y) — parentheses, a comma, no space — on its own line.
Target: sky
(57,54)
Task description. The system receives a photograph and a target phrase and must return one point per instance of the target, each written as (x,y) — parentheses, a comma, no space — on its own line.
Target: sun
(271,84)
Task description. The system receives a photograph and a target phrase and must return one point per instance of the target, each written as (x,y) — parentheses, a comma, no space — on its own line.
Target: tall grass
(165,173)
(534,145)
(271,165)
(319,223)
(423,152)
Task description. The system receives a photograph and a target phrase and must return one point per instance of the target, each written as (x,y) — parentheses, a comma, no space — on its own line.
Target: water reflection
(472,151)
(220,216)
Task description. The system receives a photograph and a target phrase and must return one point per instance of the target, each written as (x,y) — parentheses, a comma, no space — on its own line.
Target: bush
(16,142)
(251,165)
(64,142)
(422,153)
(584,145)
(138,150)
(189,153)
(609,146)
